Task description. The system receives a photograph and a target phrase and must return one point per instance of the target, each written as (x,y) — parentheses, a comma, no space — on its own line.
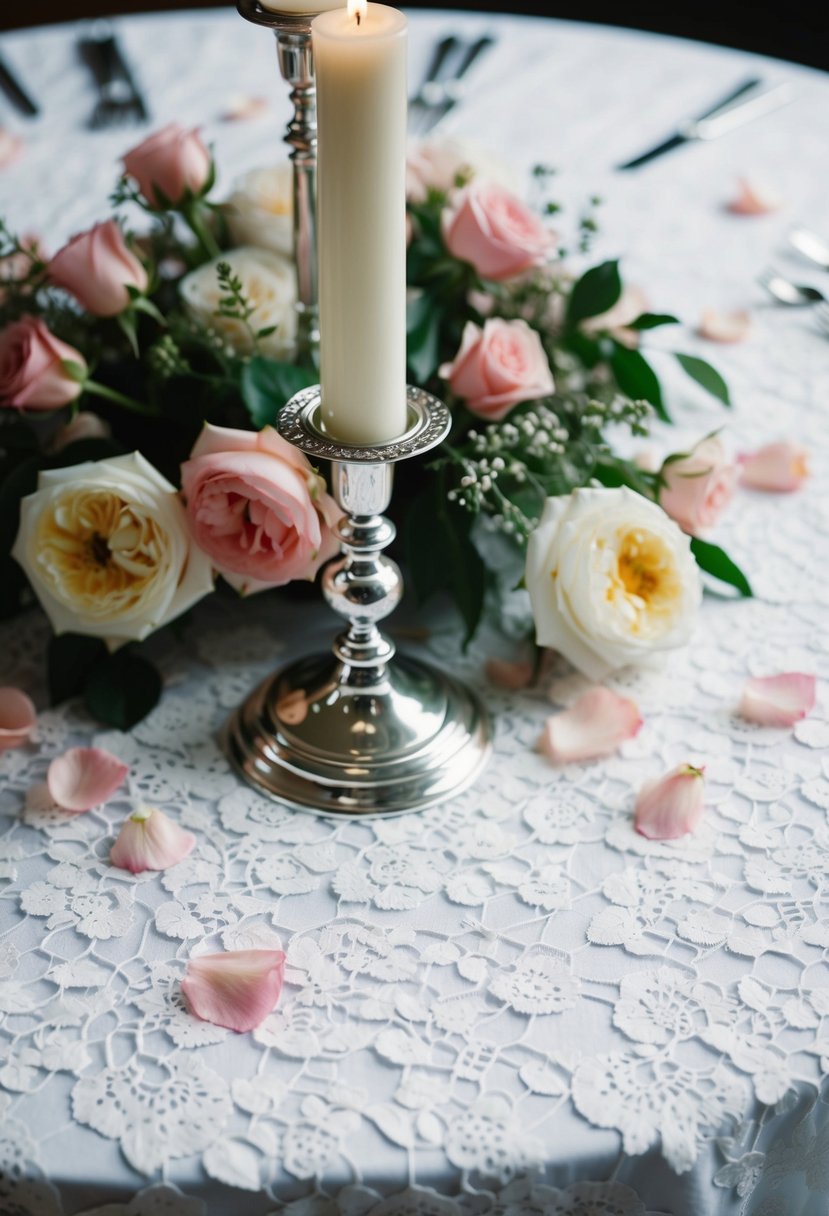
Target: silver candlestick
(296,63)
(359,731)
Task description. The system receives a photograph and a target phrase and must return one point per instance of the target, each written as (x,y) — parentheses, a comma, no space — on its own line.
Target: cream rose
(268,282)
(260,209)
(611,580)
(106,547)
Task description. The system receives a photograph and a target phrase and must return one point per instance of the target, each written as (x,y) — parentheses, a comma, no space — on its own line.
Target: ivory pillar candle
(360,60)
(298,7)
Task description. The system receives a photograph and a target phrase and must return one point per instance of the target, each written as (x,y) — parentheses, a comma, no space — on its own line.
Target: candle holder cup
(296,63)
(361,731)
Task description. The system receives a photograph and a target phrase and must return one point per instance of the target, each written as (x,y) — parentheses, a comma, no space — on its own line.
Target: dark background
(789,29)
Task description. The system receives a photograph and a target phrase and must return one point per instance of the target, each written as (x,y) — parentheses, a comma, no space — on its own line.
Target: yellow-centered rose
(107,550)
(611,580)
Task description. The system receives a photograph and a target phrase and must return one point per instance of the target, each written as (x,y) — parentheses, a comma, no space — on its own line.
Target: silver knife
(743,104)
(15,92)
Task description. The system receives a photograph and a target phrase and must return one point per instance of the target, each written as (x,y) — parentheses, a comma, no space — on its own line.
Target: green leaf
(267,386)
(595,292)
(652,320)
(636,377)
(716,562)
(121,689)
(69,659)
(706,375)
(423,320)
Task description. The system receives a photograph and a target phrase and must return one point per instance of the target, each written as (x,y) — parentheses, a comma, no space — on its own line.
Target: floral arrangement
(143,365)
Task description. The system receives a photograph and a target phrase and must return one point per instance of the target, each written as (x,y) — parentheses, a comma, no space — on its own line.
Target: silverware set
(802,295)
(444,83)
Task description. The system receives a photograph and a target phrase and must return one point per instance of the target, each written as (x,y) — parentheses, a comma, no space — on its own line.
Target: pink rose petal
(10,147)
(724,326)
(149,840)
(512,676)
(592,727)
(671,806)
(777,467)
(778,700)
(84,777)
(17,718)
(241,107)
(752,198)
(236,989)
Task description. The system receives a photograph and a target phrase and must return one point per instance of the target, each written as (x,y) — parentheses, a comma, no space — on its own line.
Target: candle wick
(357,15)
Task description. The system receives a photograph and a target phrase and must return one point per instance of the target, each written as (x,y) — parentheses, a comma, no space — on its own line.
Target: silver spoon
(810,245)
(797,295)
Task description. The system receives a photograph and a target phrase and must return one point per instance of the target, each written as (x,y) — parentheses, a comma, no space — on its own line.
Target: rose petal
(592,727)
(241,107)
(150,840)
(84,777)
(724,326)
(752,198)
(10,147)
(512,676)
(776,467)
(671,806)
(236,989)
(17,718)
(778,700)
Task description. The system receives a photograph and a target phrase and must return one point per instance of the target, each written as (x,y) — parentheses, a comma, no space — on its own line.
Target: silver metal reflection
(361,731)
(296,63)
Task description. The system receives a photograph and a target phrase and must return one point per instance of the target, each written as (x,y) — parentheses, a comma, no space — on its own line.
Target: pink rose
(31,367)
(698,487)
(96,267)
(498,366)
(257,508)
(491,228)
(173,161)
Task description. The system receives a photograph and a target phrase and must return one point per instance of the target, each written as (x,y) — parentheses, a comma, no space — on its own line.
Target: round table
(512,1003)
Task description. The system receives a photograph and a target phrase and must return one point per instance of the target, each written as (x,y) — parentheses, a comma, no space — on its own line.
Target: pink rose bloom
(698,487)
(257,508)
(173,160)
(486,225)
(31,367)
(96,267)
(498,366)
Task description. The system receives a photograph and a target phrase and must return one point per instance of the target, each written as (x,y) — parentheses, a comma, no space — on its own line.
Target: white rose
(268,283)
(436,164)
(611,580)
(260,209)
(106,547)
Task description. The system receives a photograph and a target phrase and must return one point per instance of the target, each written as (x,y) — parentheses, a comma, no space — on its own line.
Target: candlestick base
(357,731)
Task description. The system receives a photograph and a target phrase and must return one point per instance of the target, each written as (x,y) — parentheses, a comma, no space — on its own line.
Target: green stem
(194,218)
(111,394)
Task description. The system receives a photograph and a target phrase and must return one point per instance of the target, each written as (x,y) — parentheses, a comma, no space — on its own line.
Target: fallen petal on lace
(150,840)
(236,989)
(594,726)
(777,467)
(753,198)
(507,674)
(10,147)
(241,107)
(17,718)
(671,806)
(724,326)
(84,777)
(778,700)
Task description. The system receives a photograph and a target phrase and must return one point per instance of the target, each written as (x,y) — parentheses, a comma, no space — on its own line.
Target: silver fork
(442,89)
(119,100)
(821,315)
(796,295)
(810,245)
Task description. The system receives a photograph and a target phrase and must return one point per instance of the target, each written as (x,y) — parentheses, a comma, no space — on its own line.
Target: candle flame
(357,8)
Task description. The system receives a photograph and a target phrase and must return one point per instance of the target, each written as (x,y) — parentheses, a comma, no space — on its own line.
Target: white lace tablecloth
(513,1003)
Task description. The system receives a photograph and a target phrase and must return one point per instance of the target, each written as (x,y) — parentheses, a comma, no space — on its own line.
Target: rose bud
(97,268)
(698,487)
(173,161)
(32,371)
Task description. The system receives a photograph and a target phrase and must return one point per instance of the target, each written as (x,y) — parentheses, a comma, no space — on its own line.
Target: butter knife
(15,92)
(748,101)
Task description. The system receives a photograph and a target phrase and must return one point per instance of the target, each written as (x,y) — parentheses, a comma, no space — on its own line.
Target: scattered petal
(777,467)
(724,326)
(84,777)
(242,107)
(778,700)
(504,673)
(10,147)
(236,989)
(150,840)
(592,727)
(17,718)
(753,198)
(671,806)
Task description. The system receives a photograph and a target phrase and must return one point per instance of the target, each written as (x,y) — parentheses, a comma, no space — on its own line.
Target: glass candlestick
(361,730)
(296,63)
